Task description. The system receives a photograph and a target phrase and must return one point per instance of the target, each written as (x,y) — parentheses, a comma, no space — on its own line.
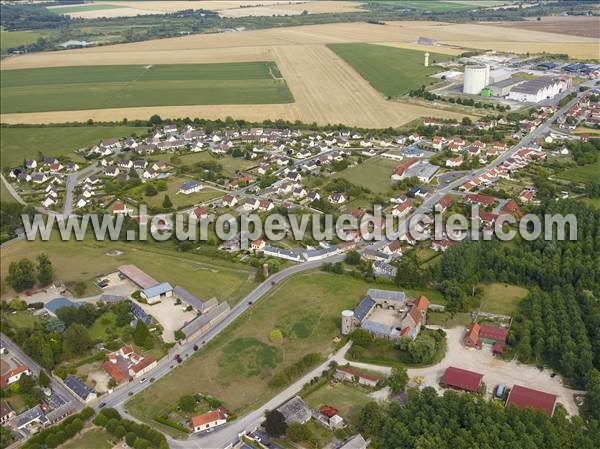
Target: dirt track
(325,88)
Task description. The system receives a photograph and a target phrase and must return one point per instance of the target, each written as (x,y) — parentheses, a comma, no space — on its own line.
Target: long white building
(538,89)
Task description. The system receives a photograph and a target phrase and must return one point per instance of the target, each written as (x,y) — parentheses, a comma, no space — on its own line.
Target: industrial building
(503,88)
(476,78)
(536,90)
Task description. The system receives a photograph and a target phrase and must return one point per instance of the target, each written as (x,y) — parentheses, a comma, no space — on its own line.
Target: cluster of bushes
(137,436)
(56,435)
(291,372)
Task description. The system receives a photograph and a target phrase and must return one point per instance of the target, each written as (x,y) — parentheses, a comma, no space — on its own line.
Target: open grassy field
(230,164)
(11,39)
(5,195)
(80,261)
(585,173)
(392,71)
(180,200)
(347,399)
(374,174)
(67,10)
(17,144)
(94,438)
(237,365)
(121,86)
(501,298)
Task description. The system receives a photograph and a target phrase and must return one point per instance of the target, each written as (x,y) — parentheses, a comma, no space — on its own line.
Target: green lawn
(585,173)
(237,365)
(22,320)
(501,298)
(121,86)
(179,200)
(80,261)
(374,174)
(392,71)
(448,320)
(348,399)
(17,144)
(230,164)
(11,39)
(94,438)
(5,195)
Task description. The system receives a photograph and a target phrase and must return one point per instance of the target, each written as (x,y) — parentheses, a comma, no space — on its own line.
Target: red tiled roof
(328,411)
(415,314)
(422,303)
(483,199)
(207,418)
(522,397)
(498,348)
(146,361)
(115,370)
(473,333)
(347,369)
(493,333)
(462,379)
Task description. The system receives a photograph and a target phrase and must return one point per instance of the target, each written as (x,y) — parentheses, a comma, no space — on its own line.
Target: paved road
(72,180)
(12,191)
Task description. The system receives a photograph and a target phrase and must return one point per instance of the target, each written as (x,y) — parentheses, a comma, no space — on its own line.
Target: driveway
(494,370)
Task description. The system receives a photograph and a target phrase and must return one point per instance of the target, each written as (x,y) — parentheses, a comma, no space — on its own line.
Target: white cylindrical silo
(347,322)
(476,78)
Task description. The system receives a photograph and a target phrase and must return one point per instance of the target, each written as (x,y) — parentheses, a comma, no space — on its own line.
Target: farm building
(387,314)
(157,292)
(209,420)
(203,322)
(346,373)
(137,276)
(522,397)
(478,335)
(462,379)
(189,298)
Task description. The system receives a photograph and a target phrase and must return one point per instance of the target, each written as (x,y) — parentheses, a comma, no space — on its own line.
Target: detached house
(337,198)
(209,420)
(190,187)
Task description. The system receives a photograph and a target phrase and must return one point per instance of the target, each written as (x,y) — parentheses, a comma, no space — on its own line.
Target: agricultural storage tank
(347,322)
(476,78)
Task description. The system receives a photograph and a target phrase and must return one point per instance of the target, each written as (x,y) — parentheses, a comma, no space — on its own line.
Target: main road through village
(229,433)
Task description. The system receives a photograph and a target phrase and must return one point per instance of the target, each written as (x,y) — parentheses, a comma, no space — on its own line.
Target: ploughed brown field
(325,88)
(575,26)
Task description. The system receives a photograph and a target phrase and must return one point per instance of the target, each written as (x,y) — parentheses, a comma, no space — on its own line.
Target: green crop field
(11,39)
(17,144)
(121,86)
(585,173)
(392,71)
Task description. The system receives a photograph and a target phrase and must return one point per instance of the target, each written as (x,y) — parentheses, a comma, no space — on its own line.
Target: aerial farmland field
(392,71)
(120,86)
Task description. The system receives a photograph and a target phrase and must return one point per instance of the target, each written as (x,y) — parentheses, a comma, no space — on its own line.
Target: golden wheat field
(325,88)
(223,7)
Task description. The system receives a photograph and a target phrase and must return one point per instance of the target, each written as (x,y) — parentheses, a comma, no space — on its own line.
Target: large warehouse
(536,90)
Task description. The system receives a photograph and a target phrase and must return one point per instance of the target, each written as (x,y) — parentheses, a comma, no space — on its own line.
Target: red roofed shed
(462,379)
(522,397)
(493,334)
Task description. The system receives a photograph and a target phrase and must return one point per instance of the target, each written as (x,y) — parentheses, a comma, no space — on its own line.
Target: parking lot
(170,316)
(495,371)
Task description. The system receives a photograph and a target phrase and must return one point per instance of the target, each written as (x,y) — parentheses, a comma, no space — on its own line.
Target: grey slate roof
(386,295)
(28,416)
(188,298)
(534,85)
(77,386)
(355,442)
(363,308)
